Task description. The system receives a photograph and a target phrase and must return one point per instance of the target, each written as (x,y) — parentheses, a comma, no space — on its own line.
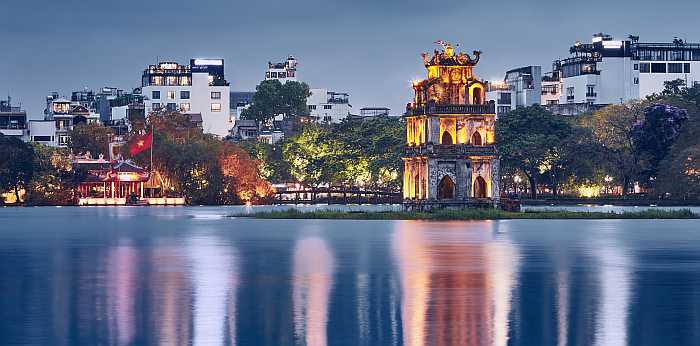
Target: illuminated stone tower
(450,158)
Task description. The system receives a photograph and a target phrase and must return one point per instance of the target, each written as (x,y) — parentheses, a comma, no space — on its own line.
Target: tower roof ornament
(447,56)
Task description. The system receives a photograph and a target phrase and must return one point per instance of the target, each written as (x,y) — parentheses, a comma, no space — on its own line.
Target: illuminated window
(184,107)
(215,95)
(185,95)
(156,80)
(171,80)
(185,80)
(171,95)
(216,107)
(155,95)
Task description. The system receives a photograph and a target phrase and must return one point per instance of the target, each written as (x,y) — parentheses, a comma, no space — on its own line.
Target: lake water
(180,276)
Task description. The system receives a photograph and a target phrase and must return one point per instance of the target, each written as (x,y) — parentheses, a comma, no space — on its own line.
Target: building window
(216,107)
(503,109)
(570,94)
(62,139)
(267,74)
(636,67)
(675,68)
(155,95)
(552,102)
(282,75)
(658,68)
(636,80)
(504,98)
(171,95)
(644,67)
(686,67)
(185,95)
(155,105)
(215,95)
(327,118)
(184,107)
(327,106)
(590,91)
(312,107)
(273,74)
(172,106)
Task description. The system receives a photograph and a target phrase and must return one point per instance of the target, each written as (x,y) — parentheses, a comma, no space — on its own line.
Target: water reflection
(311,286)
(456,282)
(614,276)
(121,288)
(214,273)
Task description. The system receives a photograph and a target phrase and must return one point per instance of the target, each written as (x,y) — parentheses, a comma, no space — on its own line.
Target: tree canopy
(93,137)
(274,98)
(16,165)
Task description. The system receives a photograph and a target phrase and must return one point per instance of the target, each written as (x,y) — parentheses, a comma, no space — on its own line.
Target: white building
(521,87)
(64,114)
(196,88)
(282,71)
(328,106)
(13,120)
(551,89)
(608,71)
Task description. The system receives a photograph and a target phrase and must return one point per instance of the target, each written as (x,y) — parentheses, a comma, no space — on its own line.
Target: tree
(93,138)
(53,180)
(273,98)
(528,138)
(611,130)
(656,132)
(272,165)
(16,165)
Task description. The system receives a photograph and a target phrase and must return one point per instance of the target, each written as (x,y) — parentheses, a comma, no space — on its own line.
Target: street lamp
(608,179)
(517,181)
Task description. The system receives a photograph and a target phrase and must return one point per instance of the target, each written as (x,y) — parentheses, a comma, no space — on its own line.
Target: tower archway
(479,187)
(476,139)
(446,138)
(446,188)
(476,96)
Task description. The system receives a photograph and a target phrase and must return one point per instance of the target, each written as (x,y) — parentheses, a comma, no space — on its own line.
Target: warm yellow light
(589,191)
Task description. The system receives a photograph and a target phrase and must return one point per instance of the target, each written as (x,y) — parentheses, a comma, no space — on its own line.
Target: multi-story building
(328,106)
(282,71)
(199,87)
(608,71)
(450,158)
(65,114)
(13,120)
(521,87)
(551,89)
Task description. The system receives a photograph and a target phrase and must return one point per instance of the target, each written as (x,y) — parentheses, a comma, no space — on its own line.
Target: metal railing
(488,108)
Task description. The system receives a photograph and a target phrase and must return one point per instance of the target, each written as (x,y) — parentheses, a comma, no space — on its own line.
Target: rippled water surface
(180,276)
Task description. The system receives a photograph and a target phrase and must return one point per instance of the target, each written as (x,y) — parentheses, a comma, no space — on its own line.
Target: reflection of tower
(450,156)
(213,265)
(313,279)
(456,283)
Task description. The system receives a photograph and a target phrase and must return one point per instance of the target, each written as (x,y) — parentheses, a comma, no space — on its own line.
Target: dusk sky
(370,49)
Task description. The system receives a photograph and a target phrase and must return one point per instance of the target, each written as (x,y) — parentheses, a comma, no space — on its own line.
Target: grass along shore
(468,214)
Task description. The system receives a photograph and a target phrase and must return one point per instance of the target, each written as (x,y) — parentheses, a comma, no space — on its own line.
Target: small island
(467,214)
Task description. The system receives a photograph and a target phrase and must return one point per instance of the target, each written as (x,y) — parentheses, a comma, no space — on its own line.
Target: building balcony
(435,109)
(449,150)
(591,95)
(570,97)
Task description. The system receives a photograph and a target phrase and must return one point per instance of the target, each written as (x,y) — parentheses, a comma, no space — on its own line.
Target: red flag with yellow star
(142,143)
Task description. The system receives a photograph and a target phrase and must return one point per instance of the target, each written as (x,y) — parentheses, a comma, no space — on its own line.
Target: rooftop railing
(432,108)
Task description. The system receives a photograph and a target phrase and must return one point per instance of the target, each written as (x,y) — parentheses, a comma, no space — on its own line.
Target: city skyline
(359,48)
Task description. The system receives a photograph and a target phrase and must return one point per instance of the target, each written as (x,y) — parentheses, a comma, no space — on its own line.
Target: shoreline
(470,214)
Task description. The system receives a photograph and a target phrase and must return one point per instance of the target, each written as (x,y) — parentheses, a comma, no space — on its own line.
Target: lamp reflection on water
(456,282)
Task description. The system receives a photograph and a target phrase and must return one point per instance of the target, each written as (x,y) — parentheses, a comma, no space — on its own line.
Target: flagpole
(152,139)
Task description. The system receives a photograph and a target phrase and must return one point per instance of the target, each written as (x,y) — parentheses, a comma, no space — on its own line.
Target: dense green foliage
(93,138)
(652,144)
(16,165)
(361,153)
(470,214)
(273,98)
